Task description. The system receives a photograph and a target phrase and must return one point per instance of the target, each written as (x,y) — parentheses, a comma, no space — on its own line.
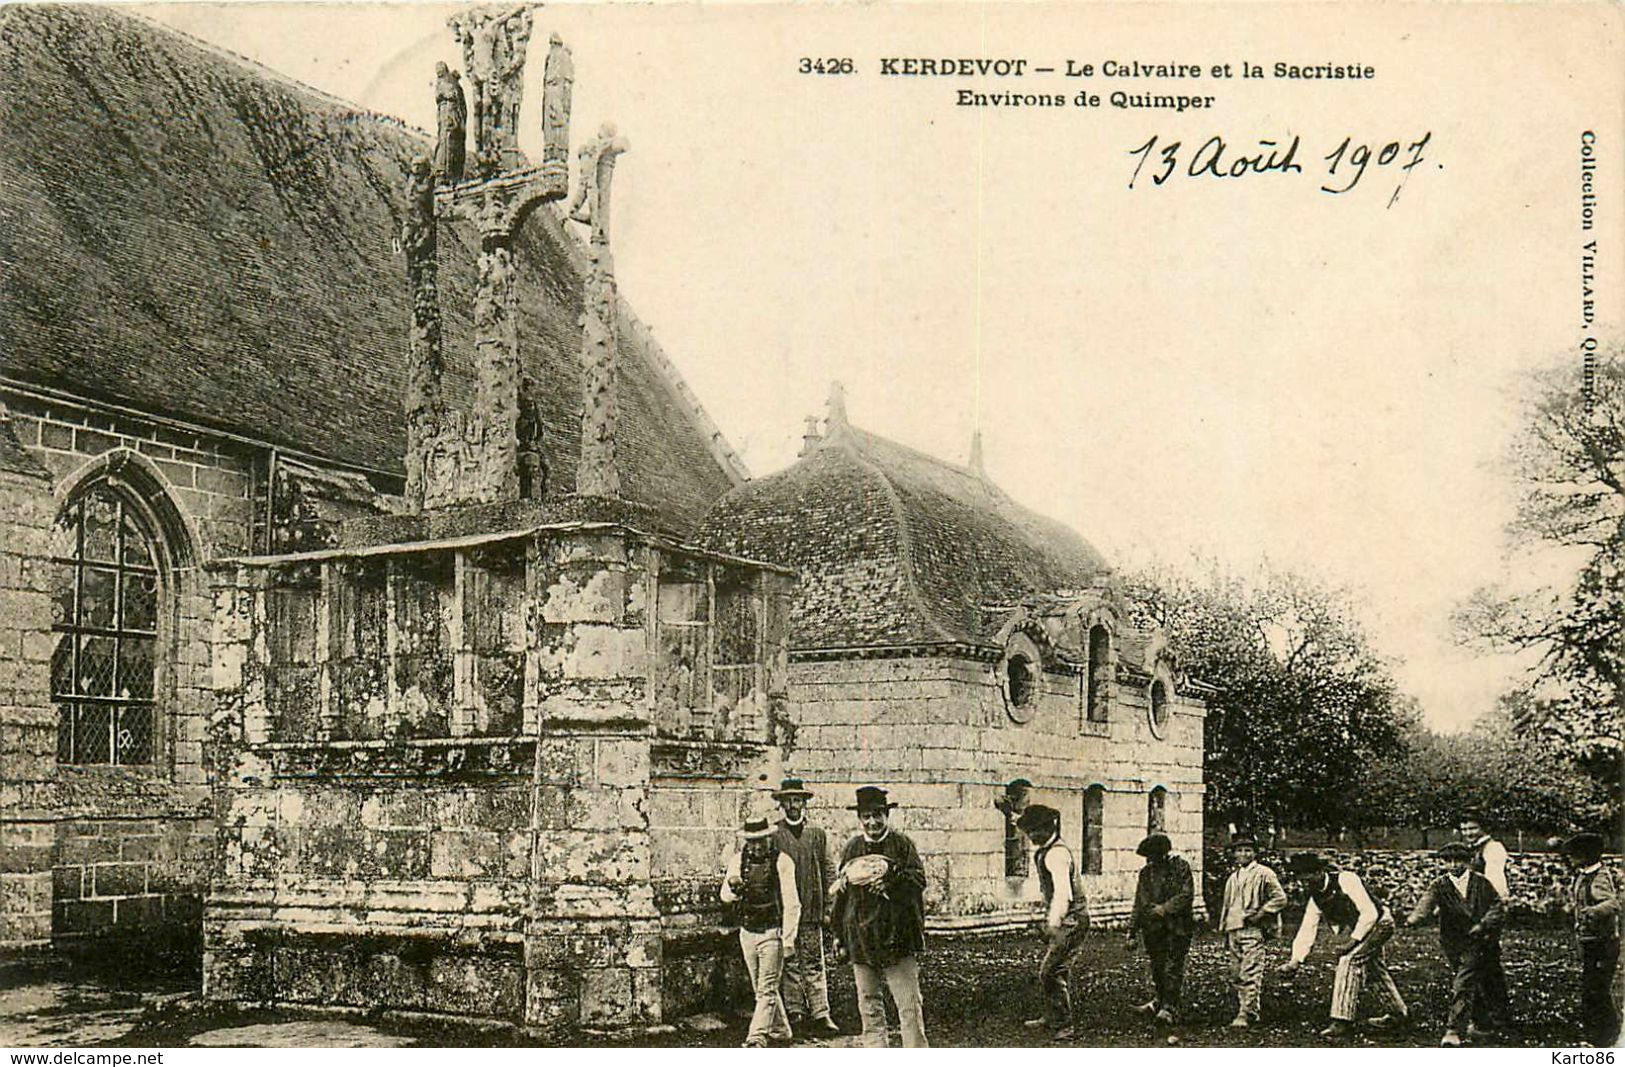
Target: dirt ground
(977,990)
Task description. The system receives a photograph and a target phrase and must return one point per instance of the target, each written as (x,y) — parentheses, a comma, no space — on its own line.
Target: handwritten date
(1214,158)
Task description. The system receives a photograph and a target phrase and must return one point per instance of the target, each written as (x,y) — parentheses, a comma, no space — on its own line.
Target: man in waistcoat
(1469,911)
(878,911)
(1494,1011)
(1253,897)
(1594,907)
(1341,899)
(1066,916)
(1162,917)
(761,886)
(806,985)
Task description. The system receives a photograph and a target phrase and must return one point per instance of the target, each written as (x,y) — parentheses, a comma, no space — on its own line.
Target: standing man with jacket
(1489,858)
(1470,912)
(1340,897)
(1066,915)
(806,986)
(1253,897)
(878,910)
(1594,905)
(1162,917)
(761,886)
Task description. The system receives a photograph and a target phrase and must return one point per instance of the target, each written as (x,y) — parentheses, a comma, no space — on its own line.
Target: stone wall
(938,732)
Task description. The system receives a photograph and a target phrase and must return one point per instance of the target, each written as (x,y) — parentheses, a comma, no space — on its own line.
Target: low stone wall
(1538,881)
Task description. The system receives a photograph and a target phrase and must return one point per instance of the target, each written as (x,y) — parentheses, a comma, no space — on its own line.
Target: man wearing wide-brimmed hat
(878,911)
(1340,897)
(1470,912)
(761,886)
(1162,917)
(1594,906)
(806,986)
(1253,897)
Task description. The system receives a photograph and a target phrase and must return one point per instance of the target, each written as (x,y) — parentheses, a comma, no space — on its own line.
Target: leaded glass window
(105,616)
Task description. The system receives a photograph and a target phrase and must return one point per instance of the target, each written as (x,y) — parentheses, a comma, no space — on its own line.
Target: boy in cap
(878,911)
(1470,913)
(1341,898)
(806,986)
(1162,917)
(1066,914)
(761,886)
(1594,906)
(1252,898)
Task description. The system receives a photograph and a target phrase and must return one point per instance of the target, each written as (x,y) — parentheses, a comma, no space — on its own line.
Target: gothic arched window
(106,618)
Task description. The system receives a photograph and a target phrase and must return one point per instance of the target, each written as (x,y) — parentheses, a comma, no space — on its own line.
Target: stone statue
(451,128)
(494,59)
(558,81)
(528,428)
(591,203)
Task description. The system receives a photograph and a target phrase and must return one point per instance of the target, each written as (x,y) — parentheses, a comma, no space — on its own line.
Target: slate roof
(187,234)
(896,547)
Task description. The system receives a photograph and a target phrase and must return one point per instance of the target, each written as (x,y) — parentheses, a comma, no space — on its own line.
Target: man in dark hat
(1066,915)
(1162,917)
(1253,897)
(806,986)
(1341,898)
(1594,906)
(878,911)
(1470,914)
(760,884)
(1489,858)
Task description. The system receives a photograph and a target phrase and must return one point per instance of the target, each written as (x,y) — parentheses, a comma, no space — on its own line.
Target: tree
(1569,459)
(1304,703)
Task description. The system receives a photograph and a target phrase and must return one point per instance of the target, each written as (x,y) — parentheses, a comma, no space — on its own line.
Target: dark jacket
(1594,904)
(1171,886)
(882,924)
(815,869)
(1462,921)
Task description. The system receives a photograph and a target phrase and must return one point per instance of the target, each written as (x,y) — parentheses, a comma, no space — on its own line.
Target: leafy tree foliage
(1519,781)
(1570,461)
(1305,702)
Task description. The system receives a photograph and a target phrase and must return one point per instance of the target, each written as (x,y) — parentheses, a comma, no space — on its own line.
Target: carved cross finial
(591,203)
(976,451)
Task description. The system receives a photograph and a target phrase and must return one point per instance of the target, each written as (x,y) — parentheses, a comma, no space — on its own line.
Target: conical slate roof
(187,234)
(896,547)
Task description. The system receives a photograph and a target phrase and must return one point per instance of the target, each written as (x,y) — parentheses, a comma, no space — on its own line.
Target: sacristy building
(380,611)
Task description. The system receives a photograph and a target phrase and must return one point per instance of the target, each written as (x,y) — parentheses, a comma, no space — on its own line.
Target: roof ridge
(249,66)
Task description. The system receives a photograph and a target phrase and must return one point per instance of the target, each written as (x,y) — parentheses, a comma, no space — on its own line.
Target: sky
(1245,368)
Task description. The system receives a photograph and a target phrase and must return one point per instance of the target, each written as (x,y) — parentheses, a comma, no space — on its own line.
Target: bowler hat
(1453,850)
(1037,817)
(1585,847)
(1306,863)
(871,798)
(1155,846)
(1243,839)
(791,787)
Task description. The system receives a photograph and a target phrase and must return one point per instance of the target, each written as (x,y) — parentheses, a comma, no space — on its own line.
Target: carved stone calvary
(456,458)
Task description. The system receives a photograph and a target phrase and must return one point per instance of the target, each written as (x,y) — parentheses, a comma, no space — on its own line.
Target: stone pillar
(598,473)
(592,943)
(27,716)
(496,389)
(425,365)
